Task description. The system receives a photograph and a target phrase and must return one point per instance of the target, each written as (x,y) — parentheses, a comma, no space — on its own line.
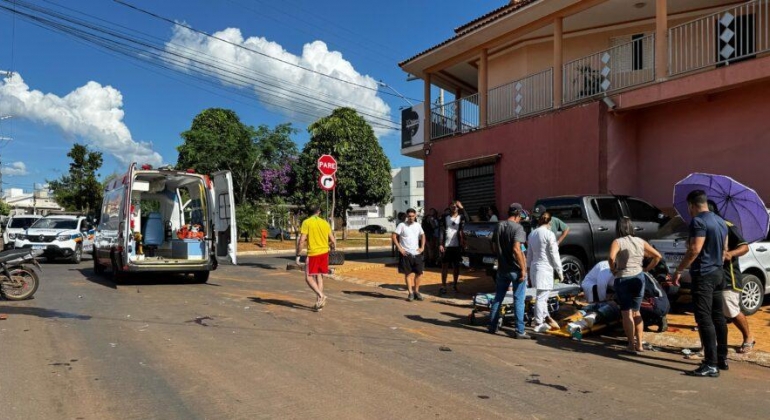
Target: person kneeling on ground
(655,304)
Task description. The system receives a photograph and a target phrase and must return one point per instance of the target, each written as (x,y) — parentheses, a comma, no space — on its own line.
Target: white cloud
(284,78)
(91,112)
(14,169)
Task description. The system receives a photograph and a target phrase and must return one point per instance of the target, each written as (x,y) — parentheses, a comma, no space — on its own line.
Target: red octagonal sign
(327,165)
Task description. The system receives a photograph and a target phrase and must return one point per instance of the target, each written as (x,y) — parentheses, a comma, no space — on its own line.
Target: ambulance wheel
(98,268)
(78,255)
(472,319)
(117,275)
(201,276)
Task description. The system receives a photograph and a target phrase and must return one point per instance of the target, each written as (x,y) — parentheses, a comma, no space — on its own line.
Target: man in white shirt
(409,238)
(597,281)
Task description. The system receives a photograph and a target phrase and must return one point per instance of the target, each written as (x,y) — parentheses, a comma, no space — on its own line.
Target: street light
(383,84)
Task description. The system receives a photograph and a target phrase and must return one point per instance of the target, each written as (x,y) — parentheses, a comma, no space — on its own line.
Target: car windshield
(55,224)
(22,222)
(676,227)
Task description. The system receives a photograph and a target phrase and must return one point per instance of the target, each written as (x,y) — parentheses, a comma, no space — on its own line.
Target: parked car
(275,232)
(672,244)
(16,225)
(373,229)
(59,236)
(591,219)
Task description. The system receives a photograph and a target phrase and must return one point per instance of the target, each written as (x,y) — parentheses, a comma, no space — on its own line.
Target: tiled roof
(477,23)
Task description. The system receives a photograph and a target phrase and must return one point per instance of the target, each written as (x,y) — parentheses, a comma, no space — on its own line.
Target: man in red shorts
(317,233)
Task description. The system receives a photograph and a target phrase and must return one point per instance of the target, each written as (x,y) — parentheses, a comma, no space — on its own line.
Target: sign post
(327,165)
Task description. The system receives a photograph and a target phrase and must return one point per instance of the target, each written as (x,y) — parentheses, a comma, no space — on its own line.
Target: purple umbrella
(736,202)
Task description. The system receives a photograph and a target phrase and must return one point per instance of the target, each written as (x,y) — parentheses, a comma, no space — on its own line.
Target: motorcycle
(19,281)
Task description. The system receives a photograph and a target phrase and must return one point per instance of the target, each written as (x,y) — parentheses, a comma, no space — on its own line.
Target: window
(641,211)
(406,203)
(420,203)
(406,183)
(606,208)
(420,184)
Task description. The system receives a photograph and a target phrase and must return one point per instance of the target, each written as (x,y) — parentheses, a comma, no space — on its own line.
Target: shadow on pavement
(376,295)
(42,313)
(139,279)
(459,322)
(261,265)
(89,275)
(280,302)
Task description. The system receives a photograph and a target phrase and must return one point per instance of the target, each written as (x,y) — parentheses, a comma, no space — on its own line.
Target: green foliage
(363,170)
(250,218)
(80,190)
(5,209)
(218,140)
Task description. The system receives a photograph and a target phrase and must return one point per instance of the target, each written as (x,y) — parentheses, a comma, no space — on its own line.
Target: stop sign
(327,165)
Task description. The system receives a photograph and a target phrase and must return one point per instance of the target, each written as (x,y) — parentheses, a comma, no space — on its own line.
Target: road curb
(292,252)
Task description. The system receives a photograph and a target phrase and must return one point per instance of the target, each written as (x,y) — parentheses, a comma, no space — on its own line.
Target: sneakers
(542,328)
(442,291)
(418,296)
(723,365)
(410,297)
(322,302)
(522,336)
(704,371)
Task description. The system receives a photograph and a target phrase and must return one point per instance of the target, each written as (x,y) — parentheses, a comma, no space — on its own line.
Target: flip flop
(747,347)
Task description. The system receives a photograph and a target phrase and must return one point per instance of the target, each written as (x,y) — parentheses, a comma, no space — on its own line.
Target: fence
(520,98)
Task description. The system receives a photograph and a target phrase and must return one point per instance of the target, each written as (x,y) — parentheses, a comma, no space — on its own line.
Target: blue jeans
(503,280)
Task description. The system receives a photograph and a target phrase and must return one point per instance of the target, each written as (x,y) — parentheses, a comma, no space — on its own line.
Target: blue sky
(73,91)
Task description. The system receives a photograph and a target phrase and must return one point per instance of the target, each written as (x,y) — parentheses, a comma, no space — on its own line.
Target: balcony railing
(455,117)
(620,67)
(734,34)
(520,98)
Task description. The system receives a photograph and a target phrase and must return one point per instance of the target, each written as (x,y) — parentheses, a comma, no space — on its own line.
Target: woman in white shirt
(543,259)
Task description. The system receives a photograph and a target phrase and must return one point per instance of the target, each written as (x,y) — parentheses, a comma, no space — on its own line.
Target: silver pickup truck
(755,265)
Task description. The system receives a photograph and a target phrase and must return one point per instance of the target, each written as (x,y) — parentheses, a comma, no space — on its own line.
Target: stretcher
(482,302)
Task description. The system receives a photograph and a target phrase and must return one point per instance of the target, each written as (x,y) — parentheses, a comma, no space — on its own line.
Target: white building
(408,190)
(37,202)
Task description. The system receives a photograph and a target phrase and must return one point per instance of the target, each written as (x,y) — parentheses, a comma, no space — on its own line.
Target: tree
(5,209)
(80,190)
(363,170)
(279,154)
(218,140)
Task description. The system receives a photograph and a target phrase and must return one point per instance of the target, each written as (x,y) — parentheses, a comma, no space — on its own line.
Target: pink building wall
(553,154)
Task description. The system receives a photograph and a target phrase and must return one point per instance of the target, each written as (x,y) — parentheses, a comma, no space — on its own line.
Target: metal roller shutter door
(475,187)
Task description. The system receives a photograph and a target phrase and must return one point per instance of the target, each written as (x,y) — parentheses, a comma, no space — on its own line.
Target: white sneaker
(542,328)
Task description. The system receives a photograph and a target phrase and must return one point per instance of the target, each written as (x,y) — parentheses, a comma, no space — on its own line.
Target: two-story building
(408,192)
(555,97)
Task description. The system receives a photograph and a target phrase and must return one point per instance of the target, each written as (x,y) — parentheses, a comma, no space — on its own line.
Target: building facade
(37,202)
(554,97)
(408,190)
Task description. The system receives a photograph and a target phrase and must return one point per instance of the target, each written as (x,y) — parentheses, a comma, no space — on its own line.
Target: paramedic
(317,233)
(512,269)
(597,281)
(544,260)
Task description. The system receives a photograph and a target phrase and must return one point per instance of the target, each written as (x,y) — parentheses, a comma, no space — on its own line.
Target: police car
(59,236)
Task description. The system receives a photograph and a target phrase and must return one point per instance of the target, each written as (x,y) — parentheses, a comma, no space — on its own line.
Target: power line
(188,27)
(126,45)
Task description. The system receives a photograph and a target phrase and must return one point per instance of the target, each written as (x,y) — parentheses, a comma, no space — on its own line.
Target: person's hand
(677,276)
(561,276)
(441,248)
(726,255)
(523,277)
(459,204)
(298,260)
(402,251)
(420,251)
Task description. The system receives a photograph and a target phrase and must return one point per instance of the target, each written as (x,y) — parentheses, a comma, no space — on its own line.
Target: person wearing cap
(451,242)
(317,234)
(507,239)
(558,227)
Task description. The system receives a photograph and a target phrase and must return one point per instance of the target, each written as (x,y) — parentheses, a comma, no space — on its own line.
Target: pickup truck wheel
(753,294)
(573,269)
(201,276)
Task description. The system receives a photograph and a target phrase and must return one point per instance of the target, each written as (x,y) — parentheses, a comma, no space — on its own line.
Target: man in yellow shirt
(317,233)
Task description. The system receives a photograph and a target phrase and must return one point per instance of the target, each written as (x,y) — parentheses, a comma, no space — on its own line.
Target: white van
(17,224)
(164,220)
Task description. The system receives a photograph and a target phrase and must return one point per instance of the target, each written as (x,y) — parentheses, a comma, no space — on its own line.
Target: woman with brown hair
(626,255)
(543,259)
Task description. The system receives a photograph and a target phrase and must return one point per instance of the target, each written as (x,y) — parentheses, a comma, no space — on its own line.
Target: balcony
(731,35)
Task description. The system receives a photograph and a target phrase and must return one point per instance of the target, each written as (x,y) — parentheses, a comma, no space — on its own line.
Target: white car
(59,236)
(16,225)
(672,245)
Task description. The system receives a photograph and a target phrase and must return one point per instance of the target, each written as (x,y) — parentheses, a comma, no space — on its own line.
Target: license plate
(673,257)
(488,260)
(38,246)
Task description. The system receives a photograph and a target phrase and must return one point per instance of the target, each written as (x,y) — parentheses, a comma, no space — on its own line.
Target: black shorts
(411,264)
(452,255)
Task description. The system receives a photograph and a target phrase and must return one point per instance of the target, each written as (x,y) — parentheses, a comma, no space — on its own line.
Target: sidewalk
(680,335)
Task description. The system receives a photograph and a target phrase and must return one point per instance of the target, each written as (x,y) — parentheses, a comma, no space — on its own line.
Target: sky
(271,62)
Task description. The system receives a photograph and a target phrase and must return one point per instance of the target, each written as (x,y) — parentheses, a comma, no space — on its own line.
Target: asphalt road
(247,346)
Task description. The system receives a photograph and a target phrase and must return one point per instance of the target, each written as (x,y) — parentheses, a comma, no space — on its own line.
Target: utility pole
(3,138)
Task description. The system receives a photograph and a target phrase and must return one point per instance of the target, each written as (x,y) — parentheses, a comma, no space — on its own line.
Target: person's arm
(422,244)
(300,245)
(553,255)
(650,252)
(441,234)
(521,259)
(614,248)
(563,234)
(332,240)
(694,247)
(742,250)
(395,236)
